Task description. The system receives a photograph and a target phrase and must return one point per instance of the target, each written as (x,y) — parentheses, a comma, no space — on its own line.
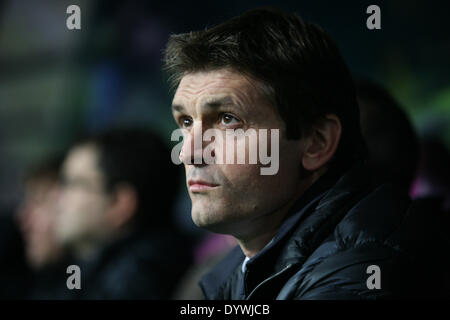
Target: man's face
(233,198)
(84,203)
(37,217)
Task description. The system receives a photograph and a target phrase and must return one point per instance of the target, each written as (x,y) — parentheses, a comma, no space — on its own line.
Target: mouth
(200,185)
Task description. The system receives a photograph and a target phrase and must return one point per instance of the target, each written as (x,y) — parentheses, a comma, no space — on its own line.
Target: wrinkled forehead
(202,88)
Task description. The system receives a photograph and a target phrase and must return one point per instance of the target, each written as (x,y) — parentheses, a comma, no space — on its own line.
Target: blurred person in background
(37,216)
(396,155)
(392,143)
(431,187)
(116,218)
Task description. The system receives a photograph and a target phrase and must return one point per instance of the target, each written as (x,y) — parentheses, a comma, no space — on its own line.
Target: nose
(192,150)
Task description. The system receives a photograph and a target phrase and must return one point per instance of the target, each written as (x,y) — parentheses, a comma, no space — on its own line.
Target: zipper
(269,279)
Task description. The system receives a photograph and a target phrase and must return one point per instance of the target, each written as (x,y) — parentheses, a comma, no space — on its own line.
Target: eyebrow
(213,103)
(177,107)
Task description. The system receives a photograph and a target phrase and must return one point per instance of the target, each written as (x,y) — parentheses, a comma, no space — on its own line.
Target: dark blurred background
(56,84)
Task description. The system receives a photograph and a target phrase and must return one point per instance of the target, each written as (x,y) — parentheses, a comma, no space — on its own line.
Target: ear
(124,205)
(321,144)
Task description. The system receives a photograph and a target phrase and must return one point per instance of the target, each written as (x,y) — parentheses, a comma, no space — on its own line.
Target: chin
(202,219)
(211,221)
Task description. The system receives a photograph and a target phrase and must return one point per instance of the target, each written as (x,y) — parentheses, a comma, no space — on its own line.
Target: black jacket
(141,265)
(340,227)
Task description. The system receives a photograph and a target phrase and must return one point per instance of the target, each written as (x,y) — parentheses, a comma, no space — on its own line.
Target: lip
(200,185)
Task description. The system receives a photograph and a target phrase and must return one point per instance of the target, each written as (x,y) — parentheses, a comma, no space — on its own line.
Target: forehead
(82,161)
(199,86)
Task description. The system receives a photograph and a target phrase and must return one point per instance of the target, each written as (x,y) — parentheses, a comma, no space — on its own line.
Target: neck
(268,225)
(252,246)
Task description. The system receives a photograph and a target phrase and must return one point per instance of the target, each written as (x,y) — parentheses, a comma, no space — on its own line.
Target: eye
(227,119)
(185,122)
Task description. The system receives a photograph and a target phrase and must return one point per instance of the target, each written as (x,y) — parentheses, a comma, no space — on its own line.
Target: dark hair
(298,63)
(140,158)
(392,142)
(48,169)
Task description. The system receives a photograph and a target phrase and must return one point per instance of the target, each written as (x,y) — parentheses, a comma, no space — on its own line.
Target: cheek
(247,184)
(243,188)
(45,222)
(83,210)
(41,228)
(241,176)
(230,149)
(248,179)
